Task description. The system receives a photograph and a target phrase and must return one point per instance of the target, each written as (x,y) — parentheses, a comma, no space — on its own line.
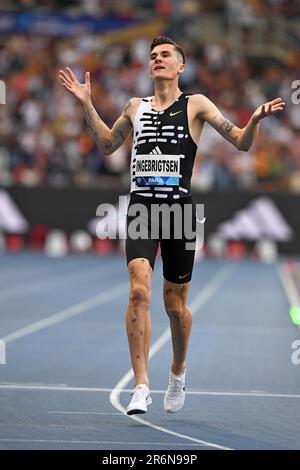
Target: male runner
(165,127)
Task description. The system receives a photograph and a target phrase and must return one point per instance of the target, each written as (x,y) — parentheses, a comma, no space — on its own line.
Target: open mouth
(159,67)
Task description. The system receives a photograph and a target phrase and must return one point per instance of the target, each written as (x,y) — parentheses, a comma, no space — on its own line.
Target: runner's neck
(164,97)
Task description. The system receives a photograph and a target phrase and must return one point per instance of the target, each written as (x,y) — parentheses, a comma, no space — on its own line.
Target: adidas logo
(261,219)
(156,151)
(11,218)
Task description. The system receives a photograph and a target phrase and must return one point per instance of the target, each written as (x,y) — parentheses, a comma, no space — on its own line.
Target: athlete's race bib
(158,170)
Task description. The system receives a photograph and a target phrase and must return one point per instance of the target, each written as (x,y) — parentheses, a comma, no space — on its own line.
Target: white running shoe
(140,400)
(175,395)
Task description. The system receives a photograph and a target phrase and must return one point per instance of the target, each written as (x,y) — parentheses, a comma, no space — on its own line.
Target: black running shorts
(154,226)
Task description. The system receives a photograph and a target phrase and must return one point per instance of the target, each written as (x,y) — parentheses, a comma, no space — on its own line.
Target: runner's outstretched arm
(108,140)
(241,138)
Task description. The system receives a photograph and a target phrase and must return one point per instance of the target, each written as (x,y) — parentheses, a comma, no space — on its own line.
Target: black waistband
(148,201)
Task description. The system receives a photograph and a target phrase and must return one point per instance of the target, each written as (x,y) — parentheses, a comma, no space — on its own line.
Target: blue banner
(56,24)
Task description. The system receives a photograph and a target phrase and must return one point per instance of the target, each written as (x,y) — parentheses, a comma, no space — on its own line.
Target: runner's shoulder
(135,101)
(197,103)
(197,99)
(131,107)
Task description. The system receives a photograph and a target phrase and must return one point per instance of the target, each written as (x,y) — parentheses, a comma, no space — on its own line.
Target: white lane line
(14,273)
(289,288)
(101,442)
(20,267)
(64,388)
(55,278)
(82,413)
(244,394)
(53,388)
(206,293)
(76,309)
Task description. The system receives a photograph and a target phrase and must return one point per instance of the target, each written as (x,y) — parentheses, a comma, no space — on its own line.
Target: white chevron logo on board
(261,219)
(11,218)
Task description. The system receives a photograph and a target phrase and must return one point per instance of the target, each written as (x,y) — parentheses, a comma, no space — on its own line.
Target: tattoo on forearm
(93,132)
(120,133)
(93,121)
(88,115)
(106,143)
(226,126)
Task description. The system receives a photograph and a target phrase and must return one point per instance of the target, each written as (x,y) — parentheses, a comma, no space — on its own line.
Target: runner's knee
(139,296)
(174,308)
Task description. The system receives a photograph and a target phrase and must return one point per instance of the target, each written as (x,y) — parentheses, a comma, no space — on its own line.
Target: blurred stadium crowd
(250,8)
(43,136)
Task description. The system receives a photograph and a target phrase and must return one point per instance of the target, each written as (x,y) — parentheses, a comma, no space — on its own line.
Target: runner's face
(164,63)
